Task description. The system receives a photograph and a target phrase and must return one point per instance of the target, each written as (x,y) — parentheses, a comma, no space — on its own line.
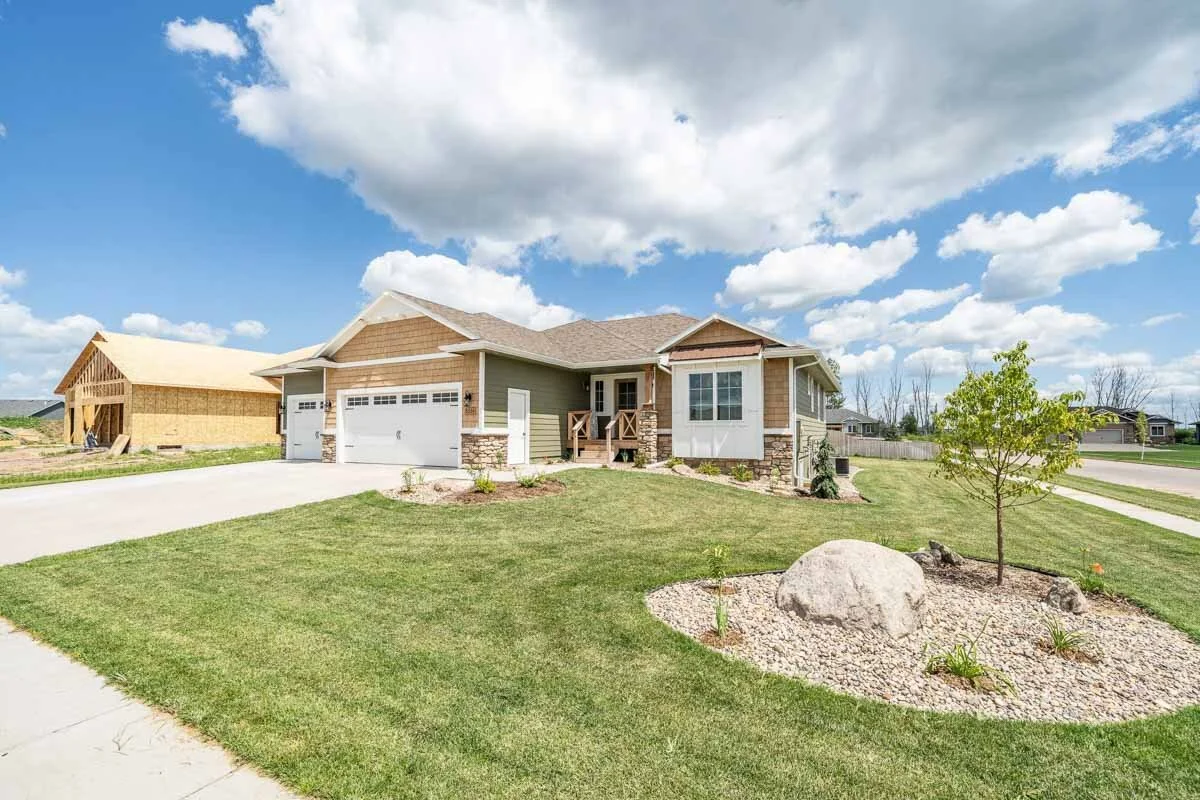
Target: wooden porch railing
(578,421)
(626,424)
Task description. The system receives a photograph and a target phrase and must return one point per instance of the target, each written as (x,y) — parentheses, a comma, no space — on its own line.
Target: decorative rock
(683,469)
(1065,595)
(858,585)
(926,559)
(944,554)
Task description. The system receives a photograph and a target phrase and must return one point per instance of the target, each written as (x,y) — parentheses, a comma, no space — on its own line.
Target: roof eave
(359,322)
(711,318)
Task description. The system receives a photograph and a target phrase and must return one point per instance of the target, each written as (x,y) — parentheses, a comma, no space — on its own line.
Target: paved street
(1179,480)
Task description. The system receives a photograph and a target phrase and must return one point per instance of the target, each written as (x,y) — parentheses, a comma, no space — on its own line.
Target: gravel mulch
(462,492)
(1147,667)
(849,493)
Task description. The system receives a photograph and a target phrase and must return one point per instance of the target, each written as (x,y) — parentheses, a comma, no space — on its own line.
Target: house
(409,381)
(852,422)
(165,394)
(1123,430)
(38,409)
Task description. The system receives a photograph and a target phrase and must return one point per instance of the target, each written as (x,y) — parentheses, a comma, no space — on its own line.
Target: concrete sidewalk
(1172,522)
(65,734)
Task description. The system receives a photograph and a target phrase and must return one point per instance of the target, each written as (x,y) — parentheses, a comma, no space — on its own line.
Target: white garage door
(405,425)
(1103,436)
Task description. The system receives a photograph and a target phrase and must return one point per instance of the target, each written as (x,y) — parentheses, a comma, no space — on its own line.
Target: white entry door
(404,425)
(305,420)
(518,426)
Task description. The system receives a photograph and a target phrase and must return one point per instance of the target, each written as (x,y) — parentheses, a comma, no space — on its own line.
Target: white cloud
(1194,222)
(250,329)
(10,279)
(204,36)
(3,131)
(578,128)
(466,286)
(804,276)
(20,385)
(1152,141)
(941,360)
(866,361)
(1154,322)
(1031,257)
(146,324)
(863,319)
(768,324)
(666,308)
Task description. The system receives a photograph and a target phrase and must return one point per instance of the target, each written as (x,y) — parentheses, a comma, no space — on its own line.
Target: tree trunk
(999,542)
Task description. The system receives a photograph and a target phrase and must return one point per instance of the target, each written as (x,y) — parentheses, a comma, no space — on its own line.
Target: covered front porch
(622,420)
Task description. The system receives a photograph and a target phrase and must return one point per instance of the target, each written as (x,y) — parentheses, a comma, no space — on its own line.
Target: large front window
(700,396)
(715,395)
(729,396)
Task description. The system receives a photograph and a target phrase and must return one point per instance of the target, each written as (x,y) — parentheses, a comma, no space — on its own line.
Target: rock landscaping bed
(1142,666)
(462,492)
(781,488)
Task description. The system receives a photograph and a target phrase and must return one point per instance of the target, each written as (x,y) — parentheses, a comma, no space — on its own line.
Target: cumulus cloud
(1195,221)
(1152,141)
(665,308)
(578,128)
(1154,322)
(466,286)
(940,360)
(1029,258)
(249,329)
(204,36)
(805,276)
(11,279)
(866,361)
(768,324)
(34,350)
(858,320)
(146,324)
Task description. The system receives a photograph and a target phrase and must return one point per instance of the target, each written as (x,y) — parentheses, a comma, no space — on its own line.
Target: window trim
(1161,427)
(711,406)
(713,390)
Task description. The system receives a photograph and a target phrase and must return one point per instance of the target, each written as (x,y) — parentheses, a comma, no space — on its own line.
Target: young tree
(1142,432)
(835,399)
(824,484)
(1002,443)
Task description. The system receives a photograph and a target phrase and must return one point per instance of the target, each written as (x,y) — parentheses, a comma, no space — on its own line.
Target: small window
(598,397)
(384,399)
(700,396)
(412,399)
(358,401)
(729,396)
(445,397)
(627,395)
(306,405)
(1158,430)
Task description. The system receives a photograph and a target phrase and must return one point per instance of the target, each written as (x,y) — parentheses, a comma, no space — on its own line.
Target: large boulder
(858,585)
(1065,595)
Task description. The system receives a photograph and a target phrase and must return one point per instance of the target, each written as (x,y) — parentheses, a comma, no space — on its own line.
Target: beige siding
(164,415)
(717,332)
(776,413)
(462,368)
(404,337)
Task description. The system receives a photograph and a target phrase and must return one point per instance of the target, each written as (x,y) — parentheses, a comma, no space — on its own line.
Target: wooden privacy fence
(846,445)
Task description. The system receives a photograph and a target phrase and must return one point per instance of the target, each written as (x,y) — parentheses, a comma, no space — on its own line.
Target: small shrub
(742,473)
(718,569)
(640,460)
(962,662)
(482,480)
(824,484)
(773,482)
(673,462)
(530,480)
(413,479)
(1062,641)
(1090,576)
(708,468)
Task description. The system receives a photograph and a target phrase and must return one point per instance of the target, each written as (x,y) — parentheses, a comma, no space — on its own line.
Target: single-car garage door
(405,425)
(1104,436)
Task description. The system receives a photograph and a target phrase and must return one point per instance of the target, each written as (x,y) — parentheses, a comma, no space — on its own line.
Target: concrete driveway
(1179,480)
(58,518)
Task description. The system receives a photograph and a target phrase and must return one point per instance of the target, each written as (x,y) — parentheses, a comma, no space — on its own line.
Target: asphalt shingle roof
(25,408)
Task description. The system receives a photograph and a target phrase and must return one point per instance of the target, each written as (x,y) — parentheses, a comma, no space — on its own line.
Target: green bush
(708,468)
(742,473)
(673,462)
(824,485)
(640,460)
(483,480)
(962,661)
(413,478)
(530,480)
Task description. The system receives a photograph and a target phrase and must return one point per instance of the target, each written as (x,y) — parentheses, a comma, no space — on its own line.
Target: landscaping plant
(482,480)
(742,473)
(1068,643)
(718,569)
(1002,443)
(962,661)
(530,480)
(1090,575)
(640,460)
(708,468)
(673,462)
(1142,431)
(824,484)
(413,479)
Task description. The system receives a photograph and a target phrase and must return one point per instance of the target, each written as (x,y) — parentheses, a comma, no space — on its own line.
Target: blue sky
(795,166)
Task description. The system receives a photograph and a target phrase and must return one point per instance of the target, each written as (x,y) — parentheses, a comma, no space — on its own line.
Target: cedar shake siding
(404,337)
(456,369)
(716,332)
(776,377)
(552,393)
(662,399)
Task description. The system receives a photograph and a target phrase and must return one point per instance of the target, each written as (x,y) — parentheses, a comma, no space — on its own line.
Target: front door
(305,419)
(518,426)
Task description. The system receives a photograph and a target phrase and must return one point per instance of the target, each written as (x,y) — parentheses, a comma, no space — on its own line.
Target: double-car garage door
(403,425)
(1104,436)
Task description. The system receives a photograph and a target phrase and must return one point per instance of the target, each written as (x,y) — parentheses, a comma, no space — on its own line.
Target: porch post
(648,381)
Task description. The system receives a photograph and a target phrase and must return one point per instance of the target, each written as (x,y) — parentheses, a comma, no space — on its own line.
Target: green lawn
(363,648)
(137,463)
(1180,455)
(1160,501)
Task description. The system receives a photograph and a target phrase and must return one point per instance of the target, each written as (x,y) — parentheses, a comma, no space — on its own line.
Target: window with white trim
(445,397)
(358,401)
(700,396)
(306,405)
(384,400)
(729,396)
(1158,430)
(413,399)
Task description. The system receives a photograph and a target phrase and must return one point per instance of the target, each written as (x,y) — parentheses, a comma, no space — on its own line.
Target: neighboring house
(39,409)
(1123,430)
(410,381)
(165,393)
(850,421)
